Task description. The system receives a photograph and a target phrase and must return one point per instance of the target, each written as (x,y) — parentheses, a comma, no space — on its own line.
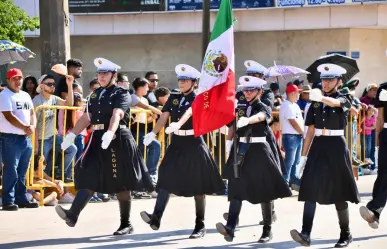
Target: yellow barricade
(31,185)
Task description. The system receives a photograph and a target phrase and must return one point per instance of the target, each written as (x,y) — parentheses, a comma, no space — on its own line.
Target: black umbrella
(346,62)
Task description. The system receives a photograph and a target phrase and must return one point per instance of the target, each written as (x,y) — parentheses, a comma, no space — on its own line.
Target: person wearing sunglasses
(46,97)
(153,80)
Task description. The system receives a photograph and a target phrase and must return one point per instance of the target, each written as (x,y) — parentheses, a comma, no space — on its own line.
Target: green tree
(14,22)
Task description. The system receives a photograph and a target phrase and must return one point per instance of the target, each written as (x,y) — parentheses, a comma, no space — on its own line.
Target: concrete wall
(140,53)
(372,44)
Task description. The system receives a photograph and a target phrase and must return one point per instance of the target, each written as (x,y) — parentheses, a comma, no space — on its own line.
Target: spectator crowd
(35,106)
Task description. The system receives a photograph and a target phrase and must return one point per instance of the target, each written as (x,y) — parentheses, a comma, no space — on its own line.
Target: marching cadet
(371,213)
(111,161)
(258,182)
(255,69)
(325,165)
(187,168)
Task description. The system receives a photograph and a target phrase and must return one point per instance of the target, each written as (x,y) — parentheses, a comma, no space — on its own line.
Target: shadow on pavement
(145,240)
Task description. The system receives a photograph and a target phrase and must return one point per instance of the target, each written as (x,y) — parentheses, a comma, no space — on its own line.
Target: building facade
(158,40)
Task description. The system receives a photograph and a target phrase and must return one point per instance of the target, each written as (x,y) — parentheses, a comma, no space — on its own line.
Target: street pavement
(42,228)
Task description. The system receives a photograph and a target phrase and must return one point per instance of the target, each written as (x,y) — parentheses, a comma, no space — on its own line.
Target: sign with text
(337,52)
(214,4)
(106,6)
(287,3)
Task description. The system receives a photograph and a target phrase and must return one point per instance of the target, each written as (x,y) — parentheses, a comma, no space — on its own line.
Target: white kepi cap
(250,83)
(254,67)
(330,71)
(186,72)
(104,65)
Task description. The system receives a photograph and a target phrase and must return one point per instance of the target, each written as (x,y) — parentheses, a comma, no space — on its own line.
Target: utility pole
(206,26)
(54,33)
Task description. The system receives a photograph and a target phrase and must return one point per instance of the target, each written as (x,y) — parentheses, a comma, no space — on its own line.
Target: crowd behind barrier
(216,142)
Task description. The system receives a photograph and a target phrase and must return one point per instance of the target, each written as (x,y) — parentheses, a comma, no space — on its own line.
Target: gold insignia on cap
(247,79)
(326,68)
(99,62)
(248,64)
(182,68)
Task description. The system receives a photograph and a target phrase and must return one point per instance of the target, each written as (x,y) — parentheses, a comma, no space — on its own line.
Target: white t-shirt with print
(289,110)
(20,104)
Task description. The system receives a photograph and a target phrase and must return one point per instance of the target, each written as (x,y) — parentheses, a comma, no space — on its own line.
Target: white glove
(383,95)
(228,146)
(173,127)
(301,166)
(315,95)
(148,138)
(243,121)
(68,141)
(106,139)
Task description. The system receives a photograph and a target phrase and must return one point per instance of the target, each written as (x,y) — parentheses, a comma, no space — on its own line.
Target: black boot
(225,216)
(228,230)
(345,234)
(125,226)
(71,216)
(267,214)
(200,206)
(154,219)
(274,215)
(303,238)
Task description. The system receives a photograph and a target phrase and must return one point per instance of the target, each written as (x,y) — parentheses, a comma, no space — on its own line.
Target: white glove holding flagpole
(107,139)
(301,166)
(148,138)
(383,95)
(315,95)
(68,141)
(173,127)
(242,122)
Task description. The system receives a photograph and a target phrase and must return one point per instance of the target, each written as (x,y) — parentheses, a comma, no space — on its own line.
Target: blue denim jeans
(16,162)
(1,159)
(69,154)
(153,152)
(368,141)
(293,145)
(368,148)
(80,144)
(354,138)
(372,151)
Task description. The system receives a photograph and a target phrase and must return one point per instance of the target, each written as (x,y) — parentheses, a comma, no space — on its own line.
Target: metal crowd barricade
(221,134)
(137,124)
(31,185)
(216,142)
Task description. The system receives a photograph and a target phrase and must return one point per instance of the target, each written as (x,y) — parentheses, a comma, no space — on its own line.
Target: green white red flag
(214,105)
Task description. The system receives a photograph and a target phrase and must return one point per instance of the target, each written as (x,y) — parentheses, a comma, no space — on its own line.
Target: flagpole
(206,26)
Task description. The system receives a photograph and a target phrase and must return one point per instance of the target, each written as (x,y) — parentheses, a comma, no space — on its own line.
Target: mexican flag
(214,105)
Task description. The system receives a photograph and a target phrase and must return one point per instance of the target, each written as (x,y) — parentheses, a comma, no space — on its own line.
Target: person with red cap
(18,120)
(292,127)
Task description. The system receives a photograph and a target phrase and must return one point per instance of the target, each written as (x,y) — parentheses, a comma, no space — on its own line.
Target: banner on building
(107,6)
(288,3)
(176,5)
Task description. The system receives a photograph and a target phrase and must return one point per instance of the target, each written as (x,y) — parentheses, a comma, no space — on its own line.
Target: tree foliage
(14,22)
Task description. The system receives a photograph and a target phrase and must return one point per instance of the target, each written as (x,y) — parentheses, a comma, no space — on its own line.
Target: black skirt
(120,167)
(188,169)
(328,176)
(261,178)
